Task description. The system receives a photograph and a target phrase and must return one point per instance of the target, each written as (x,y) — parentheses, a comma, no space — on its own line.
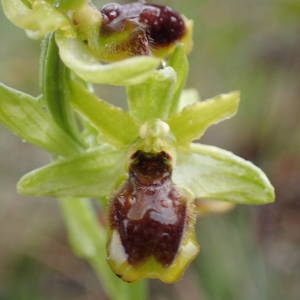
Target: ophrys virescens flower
(133,36)
(143,161)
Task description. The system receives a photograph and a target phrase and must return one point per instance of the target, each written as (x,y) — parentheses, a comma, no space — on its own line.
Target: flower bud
(152,222)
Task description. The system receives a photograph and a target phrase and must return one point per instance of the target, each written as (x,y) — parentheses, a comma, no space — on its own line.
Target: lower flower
(152,222)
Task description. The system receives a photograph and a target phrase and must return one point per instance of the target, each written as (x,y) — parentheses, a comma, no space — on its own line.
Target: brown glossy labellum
(149,212)
(161,24)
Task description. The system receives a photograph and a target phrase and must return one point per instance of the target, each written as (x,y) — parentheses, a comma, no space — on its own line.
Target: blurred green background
(249,253)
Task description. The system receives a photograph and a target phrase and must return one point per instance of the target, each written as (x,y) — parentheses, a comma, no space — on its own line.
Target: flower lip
(162,25)
(149,212)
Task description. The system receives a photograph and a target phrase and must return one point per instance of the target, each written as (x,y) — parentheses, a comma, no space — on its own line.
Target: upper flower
(134,36)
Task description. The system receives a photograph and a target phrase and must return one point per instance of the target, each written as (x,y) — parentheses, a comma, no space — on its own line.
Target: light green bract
(92,141)
(40,17)
(80,59)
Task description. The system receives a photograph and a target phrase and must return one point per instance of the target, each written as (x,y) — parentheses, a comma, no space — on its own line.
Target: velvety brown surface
(149,212)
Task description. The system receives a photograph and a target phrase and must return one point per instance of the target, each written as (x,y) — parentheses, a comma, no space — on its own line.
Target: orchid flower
(158,130)
(144,163)
(130,36)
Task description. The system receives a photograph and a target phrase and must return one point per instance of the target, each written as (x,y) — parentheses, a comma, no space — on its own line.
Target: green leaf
(216,174)
(22,114)
(152,98)
(113,122)
(88,240)
(76,55)
(55,88)
(179,62)
(41,18)
(193,121)
(89,174)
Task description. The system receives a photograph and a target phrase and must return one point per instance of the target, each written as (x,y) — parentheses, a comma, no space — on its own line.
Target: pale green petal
(114,123)
(41,18)
(212,173)
(89,174)
(55,78)
(180,64)
(152,98)
(23,115)
(76,55)
(187,98)
(192,122)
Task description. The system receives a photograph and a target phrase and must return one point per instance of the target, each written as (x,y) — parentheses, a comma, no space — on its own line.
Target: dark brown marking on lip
(162,25)
(149,212)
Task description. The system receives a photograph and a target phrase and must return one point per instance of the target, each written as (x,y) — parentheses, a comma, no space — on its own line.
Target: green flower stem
(87,237)
(88,240)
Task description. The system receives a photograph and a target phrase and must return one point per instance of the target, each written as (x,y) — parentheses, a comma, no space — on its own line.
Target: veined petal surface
(89,174)
(212,173)
(192,122)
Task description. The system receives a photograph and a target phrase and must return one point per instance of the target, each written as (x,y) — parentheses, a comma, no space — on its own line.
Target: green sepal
(179,62)
(188,97)
(212,173)
(77,56)
(88,240)
(23,115)
(114,123)
(89,174)
(67,5)
(55,88)
(152,98)
(41,18)
(192,122)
